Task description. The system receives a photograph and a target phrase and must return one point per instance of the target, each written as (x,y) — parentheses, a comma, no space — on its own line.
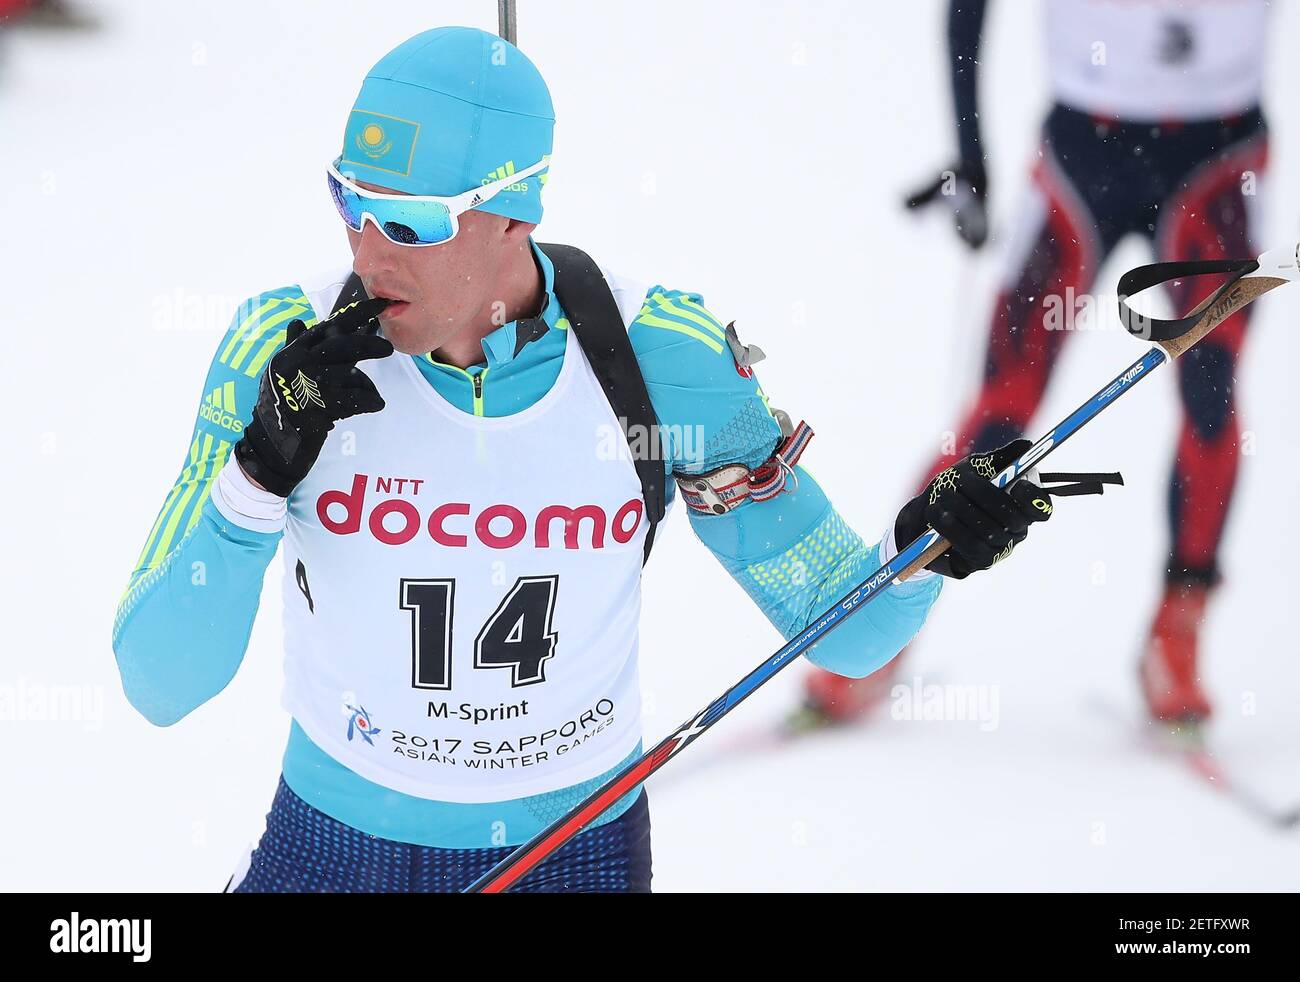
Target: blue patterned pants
(305,851)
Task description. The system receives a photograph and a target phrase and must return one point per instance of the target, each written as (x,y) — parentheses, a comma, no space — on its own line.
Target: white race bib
(462,593)
(1157,59)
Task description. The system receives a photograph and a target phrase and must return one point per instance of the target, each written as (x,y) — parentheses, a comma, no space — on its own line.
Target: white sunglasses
(412,219)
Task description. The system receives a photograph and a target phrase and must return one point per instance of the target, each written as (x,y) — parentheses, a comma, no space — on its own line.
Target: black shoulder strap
(594,317)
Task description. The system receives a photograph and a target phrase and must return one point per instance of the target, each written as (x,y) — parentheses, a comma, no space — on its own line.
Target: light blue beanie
(448,110)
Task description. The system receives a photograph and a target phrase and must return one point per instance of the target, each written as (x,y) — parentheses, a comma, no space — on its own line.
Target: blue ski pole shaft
(921,550)
(910,559)
(1252,279)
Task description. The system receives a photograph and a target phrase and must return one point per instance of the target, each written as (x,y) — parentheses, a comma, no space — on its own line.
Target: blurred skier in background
(1155,129)
(44,14)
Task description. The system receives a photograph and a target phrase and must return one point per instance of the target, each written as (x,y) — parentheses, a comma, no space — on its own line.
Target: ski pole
(507,21)
(1250,279)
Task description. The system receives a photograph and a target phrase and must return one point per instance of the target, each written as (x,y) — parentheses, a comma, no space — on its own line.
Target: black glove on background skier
(965,188)
(310,384)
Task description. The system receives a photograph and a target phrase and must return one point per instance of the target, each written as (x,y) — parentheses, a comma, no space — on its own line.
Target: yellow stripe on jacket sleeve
(191,485)
(249,323)
(697,312)
(650,320)
(265,328)
(168,504)
(269,348)
(218,462)
(683,306)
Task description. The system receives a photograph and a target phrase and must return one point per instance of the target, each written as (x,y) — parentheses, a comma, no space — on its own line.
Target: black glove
(965,188)
(983,522)
(310,384)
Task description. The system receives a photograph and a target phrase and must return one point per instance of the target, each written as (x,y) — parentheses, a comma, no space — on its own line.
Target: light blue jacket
(177,646)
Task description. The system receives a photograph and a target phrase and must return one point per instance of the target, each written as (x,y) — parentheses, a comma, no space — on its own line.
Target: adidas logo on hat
(501,173)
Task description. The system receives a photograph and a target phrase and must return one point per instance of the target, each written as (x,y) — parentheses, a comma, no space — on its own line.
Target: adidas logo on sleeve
(218,408)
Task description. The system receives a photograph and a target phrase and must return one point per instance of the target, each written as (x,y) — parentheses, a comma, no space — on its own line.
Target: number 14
(517,636)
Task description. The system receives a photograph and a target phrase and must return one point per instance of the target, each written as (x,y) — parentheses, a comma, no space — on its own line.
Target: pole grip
(937,549)
(1248,280)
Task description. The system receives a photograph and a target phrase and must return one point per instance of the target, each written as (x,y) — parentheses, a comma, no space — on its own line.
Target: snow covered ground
(161,169)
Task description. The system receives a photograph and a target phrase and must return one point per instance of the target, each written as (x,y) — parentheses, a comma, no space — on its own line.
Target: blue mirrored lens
(347,203)
(413,223)
(405,222)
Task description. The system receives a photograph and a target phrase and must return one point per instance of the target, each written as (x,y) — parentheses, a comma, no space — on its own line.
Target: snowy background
(158,170)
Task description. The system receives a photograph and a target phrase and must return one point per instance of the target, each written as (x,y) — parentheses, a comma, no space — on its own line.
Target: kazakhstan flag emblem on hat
(383,142)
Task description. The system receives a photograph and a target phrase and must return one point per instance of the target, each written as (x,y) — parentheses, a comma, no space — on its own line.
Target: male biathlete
(462,445)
